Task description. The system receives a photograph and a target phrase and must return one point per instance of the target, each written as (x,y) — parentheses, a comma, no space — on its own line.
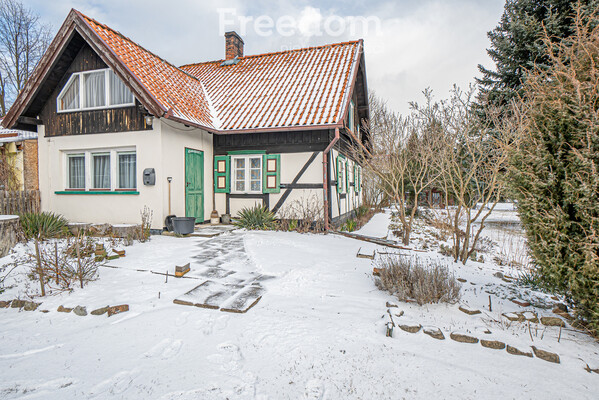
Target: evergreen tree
(555,171)
(517,45)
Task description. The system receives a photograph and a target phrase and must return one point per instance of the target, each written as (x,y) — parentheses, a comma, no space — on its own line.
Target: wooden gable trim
(48,60)
(355,67)
(120,69)
(75,23)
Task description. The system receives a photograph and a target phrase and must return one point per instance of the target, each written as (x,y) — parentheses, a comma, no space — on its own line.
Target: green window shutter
(339,175)
(347,176)
(271,173)
(222,174)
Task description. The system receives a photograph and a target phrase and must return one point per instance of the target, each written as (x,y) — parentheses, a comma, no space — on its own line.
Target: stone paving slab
(229,282)
(209,294)
(245,299)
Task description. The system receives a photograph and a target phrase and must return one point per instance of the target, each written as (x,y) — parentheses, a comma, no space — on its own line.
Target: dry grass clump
(410,280)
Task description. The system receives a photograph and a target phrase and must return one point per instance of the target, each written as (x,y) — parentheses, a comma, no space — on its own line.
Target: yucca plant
(257,218)
(350,225)
(43,225)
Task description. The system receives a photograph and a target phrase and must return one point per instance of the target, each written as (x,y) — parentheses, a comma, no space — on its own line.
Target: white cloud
(431,43)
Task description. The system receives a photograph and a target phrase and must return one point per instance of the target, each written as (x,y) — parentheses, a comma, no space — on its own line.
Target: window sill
(134,192)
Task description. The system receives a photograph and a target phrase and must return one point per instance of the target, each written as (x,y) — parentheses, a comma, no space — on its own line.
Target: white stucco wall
(162,148)
(352,199)
(291,163)
(175,139)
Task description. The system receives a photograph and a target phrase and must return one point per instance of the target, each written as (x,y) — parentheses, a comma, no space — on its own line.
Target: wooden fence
(18,202)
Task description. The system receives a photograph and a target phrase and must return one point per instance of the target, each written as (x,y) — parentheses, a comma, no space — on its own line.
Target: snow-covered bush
(410,279)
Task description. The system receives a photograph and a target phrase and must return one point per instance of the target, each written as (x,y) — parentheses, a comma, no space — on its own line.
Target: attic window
(93,90)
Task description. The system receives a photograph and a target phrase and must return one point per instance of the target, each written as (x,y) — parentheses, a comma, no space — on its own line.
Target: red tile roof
(174,89)
(305,87)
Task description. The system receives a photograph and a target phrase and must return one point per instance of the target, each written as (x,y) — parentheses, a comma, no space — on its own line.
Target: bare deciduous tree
(471,160)
(401,160)
(23,41)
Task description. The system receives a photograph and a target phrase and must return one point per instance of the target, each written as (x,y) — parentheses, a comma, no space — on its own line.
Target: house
(18,150)
(121,128)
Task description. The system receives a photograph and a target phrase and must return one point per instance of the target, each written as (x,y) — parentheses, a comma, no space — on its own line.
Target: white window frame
(94,154)
(88,154)
(106,105)
(68,180)
(118,172)
(247,168)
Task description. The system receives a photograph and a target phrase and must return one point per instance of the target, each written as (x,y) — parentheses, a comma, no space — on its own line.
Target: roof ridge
(135,43)
(279,52)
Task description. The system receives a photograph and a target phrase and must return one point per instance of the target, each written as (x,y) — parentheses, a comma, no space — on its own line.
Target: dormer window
(93,90)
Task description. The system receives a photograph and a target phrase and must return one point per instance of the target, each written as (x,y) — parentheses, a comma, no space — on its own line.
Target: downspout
(325,178)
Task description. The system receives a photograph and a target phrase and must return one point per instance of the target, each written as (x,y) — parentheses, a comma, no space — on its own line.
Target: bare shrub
(303,215)
(84,266)
(59,265)
(410,280)
(146,222)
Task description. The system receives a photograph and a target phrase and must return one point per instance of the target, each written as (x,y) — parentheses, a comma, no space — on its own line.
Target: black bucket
(184,225)
(168,222)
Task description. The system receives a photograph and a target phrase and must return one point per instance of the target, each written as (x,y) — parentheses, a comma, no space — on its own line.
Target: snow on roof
(173,88)
(305,87)
(15,135)
(289,88)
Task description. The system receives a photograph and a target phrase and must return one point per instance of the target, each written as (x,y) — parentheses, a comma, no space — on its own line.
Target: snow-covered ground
(317,333)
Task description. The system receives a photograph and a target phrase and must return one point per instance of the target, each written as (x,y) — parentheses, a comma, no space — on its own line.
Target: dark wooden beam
(29,120)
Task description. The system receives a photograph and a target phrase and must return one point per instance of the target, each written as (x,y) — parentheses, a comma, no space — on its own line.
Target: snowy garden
(320,328)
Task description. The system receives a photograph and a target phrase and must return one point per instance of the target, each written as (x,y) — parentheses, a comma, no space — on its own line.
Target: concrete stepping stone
(216,273)
(463,338)
(434,332)
(546,355)
(209,294)
(245,299)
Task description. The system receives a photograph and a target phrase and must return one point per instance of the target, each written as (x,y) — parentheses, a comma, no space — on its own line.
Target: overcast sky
(409,45)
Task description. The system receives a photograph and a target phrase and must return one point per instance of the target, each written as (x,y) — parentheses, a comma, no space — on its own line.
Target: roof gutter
(325,178)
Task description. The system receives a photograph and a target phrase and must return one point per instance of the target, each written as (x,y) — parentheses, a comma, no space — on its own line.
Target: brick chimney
(233,45)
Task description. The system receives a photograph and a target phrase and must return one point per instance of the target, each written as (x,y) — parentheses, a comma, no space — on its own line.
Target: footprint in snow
(166,349)
(117,384)
(182,319)
(229,357)
(314,390)
(172,350)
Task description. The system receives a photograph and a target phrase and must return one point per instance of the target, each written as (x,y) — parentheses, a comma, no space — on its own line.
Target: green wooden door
(194,184)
